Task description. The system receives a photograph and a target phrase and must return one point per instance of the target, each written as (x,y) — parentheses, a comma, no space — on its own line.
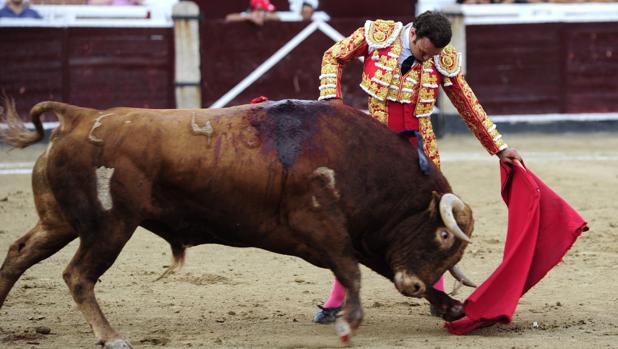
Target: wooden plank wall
(92,67)
(544,68)
(129,67)
(231,51)
(514,69)
(591,67)
(32,65)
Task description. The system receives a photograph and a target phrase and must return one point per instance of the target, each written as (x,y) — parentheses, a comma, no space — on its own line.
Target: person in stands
(305,8)
(258,12)
(18,9)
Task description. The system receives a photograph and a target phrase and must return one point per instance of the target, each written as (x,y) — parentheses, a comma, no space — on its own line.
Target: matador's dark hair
(435,26)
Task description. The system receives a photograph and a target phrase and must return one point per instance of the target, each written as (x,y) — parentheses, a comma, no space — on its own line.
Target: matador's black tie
(407,64)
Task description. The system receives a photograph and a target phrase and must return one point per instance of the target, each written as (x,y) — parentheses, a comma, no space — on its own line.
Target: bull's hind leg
(51,233)
(91,260)
(39,243)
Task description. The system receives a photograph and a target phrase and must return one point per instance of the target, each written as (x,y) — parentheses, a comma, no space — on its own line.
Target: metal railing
(94,16)
(535,13)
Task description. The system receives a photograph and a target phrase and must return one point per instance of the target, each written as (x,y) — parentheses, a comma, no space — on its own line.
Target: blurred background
(547,63)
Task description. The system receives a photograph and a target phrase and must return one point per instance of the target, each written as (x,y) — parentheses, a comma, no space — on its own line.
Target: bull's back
(202,162)
(258,152)
(234,161)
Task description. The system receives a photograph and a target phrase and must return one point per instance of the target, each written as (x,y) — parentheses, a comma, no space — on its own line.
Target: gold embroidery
(375,56)
(393,58)
(388,77)
(474,115)
(385,74)
(342,52)
(382,92)
(448,62)
(378,110)
(330,68)
(430,145)
(427,91)
(328,81)
(381,33)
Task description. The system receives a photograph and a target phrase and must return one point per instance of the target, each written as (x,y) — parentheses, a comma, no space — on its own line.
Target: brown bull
(325,183)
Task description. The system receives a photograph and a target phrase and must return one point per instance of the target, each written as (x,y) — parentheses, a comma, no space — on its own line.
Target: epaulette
(380,33)
(448,62)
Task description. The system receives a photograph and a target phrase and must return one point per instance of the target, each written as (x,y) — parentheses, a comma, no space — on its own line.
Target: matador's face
(422,48)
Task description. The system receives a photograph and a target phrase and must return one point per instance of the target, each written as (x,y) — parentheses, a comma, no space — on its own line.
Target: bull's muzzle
(409,284)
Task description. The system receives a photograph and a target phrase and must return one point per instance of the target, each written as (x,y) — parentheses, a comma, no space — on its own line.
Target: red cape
(542,228)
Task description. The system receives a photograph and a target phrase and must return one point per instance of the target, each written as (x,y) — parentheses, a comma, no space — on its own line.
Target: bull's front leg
(322,225)
(348,273)
(450,309)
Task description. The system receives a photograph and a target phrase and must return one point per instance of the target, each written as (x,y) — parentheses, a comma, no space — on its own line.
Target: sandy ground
(248,298)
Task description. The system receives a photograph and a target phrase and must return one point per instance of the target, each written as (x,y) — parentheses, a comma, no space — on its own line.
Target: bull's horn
(459,275)
(448,203)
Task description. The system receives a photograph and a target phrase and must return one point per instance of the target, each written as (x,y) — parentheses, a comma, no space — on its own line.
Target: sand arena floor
(248,298)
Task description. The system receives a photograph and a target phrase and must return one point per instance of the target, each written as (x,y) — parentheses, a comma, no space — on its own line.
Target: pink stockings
(337,294)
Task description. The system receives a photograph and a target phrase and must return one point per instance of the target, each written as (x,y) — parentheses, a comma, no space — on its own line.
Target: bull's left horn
(448,203)
(460,276)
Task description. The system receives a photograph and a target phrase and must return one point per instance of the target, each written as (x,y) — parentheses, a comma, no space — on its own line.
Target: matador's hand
(509,155)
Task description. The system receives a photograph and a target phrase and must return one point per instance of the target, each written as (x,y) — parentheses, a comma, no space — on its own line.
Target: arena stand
(527,63)
(530,62)
(96,56)
(545,66)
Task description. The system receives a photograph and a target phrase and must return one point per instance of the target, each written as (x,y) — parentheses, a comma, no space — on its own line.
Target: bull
(322,182)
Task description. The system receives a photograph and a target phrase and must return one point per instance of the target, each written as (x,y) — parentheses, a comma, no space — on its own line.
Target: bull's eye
(444,238)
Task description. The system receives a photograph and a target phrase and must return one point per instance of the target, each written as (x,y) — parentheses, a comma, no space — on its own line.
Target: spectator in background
(18,9)
(304,7)
(258,12)
(115,2)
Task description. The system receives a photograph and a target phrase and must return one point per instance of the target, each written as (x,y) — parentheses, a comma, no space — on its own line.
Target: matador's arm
(335,58)
(466,103)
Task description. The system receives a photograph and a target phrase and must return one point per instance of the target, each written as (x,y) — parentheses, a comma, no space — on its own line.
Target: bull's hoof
(116,344)
(344,331)
(435,311)
(448,313)
(454,312)
(353,317)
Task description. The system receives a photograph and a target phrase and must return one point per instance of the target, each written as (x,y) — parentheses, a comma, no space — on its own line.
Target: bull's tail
(16,134)
(178,260)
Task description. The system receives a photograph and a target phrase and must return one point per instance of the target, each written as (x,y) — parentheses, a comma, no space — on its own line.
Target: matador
(403,68)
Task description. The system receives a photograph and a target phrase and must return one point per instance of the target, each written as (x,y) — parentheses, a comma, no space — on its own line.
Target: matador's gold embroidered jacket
(380,43)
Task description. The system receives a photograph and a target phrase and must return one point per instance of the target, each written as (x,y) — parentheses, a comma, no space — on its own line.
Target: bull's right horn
(448,203)
(461,277)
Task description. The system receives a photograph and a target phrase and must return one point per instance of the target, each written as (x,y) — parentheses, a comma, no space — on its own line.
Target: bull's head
(428,244)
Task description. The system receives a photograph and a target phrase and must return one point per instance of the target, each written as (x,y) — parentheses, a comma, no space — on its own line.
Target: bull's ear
(434,205)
